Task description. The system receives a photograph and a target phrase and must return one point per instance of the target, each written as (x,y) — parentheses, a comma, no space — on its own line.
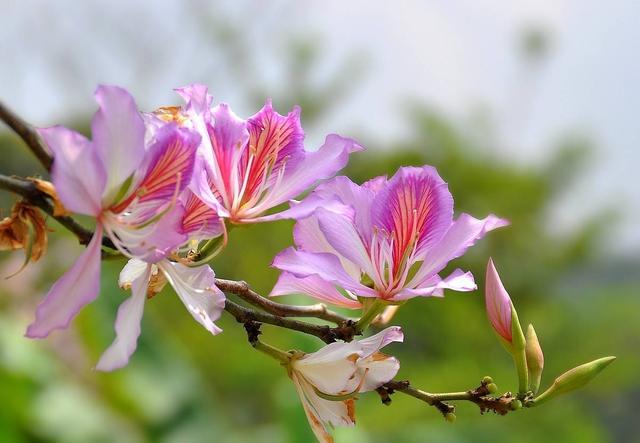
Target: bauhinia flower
(251,166)
(128,185)
(195,286)
(386,239)
(328,380)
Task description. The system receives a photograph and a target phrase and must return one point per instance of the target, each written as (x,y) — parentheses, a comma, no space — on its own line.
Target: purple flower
(247,167)
(387,239)
(128,182)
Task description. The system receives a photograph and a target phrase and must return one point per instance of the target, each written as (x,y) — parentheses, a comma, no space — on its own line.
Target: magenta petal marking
(414,206)
(127,326)
(77,172)
(197,98)
(118,133)
(79,286)
(498,303)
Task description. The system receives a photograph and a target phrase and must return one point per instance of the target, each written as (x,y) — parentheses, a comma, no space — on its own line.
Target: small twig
(323,332)
(242,290)
(480,396)
(28,134)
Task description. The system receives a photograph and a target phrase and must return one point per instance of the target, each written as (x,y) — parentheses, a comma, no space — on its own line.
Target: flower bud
(574,378)
(535,359)
(501,312)
(450,417)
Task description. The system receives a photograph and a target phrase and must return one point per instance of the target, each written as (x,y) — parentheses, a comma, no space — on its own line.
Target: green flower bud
(450,417)
(515,404)
(574,379)
(535,359)
(486,380)
(492,388)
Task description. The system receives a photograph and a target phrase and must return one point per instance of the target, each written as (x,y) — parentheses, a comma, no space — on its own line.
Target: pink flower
(247,167)
(128,185)
(387,239)
(498,302)
(327,380)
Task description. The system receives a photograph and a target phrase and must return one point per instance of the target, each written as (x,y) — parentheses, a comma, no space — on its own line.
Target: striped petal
(312,286)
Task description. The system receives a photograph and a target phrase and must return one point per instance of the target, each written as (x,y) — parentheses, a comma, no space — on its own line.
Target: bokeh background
(528,109)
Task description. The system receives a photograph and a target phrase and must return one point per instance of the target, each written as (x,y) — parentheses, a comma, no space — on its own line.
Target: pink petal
(458,280)
(197,98)
(199,220)
(314,166)
(79,286)
(498,303)
(197,289)
(378,371)
(324,265)
(118,136)
(127,326)
(312,286)
(77,172)
(341,234)
(462,234)
(414,205)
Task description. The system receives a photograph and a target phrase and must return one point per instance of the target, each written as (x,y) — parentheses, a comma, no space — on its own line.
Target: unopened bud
(574,379)
(450,417)
(535,359)
(515,404)
(492,388)
(486,380)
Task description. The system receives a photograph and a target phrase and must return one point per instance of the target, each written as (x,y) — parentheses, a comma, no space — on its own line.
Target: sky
(455,55)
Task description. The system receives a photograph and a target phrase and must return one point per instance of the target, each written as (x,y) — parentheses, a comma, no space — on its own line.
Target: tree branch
(323,332)
(481,396)
(28,134)
(242,290)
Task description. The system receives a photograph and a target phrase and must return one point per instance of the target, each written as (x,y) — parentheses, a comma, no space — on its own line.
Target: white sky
(453,54)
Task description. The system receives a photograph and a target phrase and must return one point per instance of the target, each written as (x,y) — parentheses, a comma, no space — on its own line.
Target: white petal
(197,289)
(127,325)
(132,270)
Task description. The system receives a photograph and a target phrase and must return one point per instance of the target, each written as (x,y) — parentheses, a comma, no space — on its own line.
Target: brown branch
(28,134)
(323,332)
(242,290)
(481,396)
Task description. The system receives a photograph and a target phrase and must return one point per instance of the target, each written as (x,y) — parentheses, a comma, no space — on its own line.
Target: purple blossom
(387,239)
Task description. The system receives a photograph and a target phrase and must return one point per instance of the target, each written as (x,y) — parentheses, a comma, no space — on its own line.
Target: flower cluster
(165,187)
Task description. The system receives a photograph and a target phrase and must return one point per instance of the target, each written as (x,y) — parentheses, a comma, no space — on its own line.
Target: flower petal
(312,286)
(373,344)
(199,220)
(458,280)
(127,325)
(324,265)
(415,202)
(79,286)
(133,270)
(462,234)
(331,368)
(77,172)
(377,370)
(118,136)
(197,289)
(342,235)
(310,168)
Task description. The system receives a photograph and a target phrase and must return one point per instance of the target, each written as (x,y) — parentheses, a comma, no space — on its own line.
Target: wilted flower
(24,229)
(328,380)
(251,166)
(126,184)
(386,239)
